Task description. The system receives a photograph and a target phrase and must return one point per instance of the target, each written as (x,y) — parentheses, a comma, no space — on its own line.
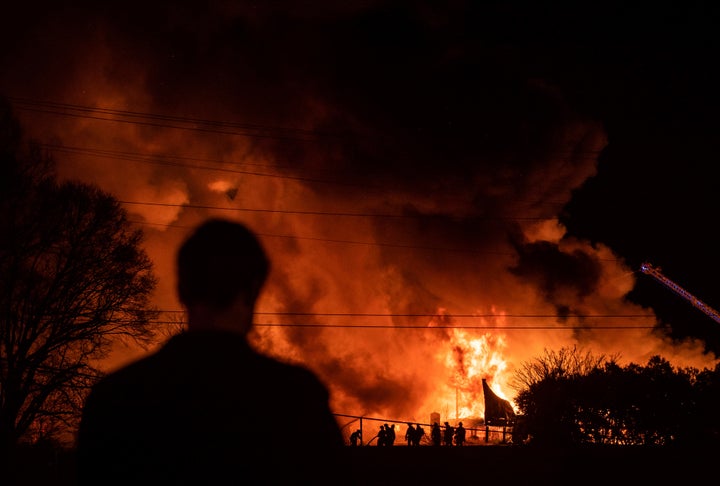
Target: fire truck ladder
(655,273)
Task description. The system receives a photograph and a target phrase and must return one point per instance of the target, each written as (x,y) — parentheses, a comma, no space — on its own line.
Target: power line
(170,160)
(171,121)
(352,242)
(503,328)
(199,124)
(157,159)
(320,213)
(433,327)
(364,243)
(465,316)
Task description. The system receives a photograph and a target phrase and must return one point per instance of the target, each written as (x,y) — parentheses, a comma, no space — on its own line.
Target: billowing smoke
(406,181)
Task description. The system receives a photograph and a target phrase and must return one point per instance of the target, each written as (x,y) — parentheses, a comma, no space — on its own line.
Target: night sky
(403,159)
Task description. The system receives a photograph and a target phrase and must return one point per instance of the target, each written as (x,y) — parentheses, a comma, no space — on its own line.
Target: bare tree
(563,363)
(74,279)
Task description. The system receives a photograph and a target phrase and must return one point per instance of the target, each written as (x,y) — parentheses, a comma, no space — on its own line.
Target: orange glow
(393,266)
(472,358)
(374,344)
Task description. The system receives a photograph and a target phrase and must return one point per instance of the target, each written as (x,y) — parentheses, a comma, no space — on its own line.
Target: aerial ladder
(699,304)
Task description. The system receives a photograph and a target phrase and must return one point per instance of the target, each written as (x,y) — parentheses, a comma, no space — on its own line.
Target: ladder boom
(697,303)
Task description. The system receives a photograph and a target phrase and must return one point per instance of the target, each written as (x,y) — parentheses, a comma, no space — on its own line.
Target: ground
(501,465)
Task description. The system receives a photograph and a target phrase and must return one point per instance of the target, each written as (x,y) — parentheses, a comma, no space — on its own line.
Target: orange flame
(468,360)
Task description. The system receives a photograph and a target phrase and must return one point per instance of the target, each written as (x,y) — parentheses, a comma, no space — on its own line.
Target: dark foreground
(475,465)
(523,465)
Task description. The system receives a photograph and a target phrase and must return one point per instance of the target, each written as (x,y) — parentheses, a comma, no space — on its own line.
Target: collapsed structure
(498,411)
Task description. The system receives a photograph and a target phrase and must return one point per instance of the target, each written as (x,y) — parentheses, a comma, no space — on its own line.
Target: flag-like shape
(498,411)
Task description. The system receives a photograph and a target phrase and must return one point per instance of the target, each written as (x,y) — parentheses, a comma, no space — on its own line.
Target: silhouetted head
(221,263)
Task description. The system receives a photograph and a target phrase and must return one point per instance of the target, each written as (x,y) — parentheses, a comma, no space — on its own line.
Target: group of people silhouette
(414,434)
(450,436)
(386,435)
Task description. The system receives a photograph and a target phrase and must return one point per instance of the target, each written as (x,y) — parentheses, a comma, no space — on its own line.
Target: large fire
(451,373)
(470,359)
(385,309)
(396,235)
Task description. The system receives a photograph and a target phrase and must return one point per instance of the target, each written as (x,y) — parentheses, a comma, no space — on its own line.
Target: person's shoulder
(126,371)
(113,387)
(132,374)
(291,377)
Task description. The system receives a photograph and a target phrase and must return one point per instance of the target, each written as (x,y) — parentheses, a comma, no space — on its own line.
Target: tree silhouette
(548,393)
(706,401)
(74,280)
(569,399)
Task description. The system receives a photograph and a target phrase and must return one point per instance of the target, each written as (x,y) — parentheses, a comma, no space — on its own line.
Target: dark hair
(220,261)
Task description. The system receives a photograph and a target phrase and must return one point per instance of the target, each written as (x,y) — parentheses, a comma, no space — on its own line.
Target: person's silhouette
(410,434)
(419,434)
(436,434)
(389,435)
(356,438)
(448,434)
(382,436)
(207,408)
(459,434)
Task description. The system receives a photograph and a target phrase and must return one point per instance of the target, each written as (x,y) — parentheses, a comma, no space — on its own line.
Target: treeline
(567,398)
